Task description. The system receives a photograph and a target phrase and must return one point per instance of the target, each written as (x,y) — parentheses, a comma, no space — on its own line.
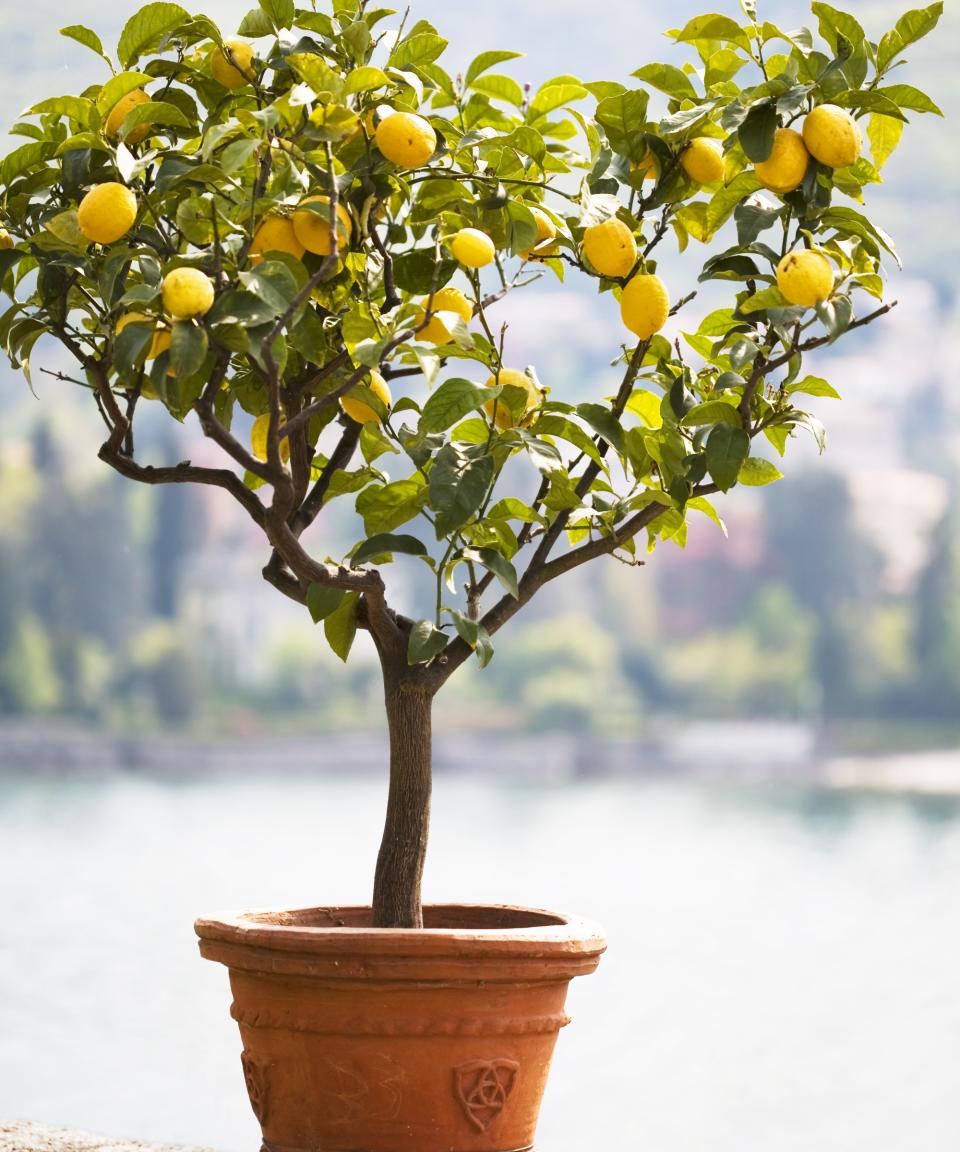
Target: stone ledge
(27,1137)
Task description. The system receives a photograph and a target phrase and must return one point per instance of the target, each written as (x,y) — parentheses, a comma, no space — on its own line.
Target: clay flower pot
(386,1040)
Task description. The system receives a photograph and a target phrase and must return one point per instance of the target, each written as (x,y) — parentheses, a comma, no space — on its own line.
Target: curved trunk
(396,889)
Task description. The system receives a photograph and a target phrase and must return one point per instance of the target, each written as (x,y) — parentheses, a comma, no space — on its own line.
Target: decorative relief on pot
(255,1075)
(483,1088)
(371,1090)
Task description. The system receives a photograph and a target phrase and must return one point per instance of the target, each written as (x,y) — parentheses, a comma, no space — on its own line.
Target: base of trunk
(383,1040)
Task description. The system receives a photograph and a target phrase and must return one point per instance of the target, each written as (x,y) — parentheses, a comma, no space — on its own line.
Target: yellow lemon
(546,231)
(107,212)
(360,411)
(118,113)
(230,65)
(473,248)
(832,136)
(446,300)
(511,378)
(805,277)
(648,168)
(786,166)
(161,336)
(6,240)
(276,234)
(187,292)
(645,305)
(703,160)
(258,439)
(406,139)
(611,248)
(312,229)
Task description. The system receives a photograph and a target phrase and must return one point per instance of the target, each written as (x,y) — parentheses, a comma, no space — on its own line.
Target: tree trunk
(396,889)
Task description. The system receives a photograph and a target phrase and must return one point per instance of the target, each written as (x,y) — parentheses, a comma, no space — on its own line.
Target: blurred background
(743,758)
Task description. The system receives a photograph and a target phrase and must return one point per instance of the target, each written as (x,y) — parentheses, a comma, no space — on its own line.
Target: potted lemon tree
(297,241)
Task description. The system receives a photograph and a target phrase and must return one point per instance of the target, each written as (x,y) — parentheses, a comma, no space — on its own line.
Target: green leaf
(417,271)
(155,112)
(499,87)
(851,223)
(453,400)
(188,348)
(425,642)
(255,24)
(702,504)
(906,96)
(119,86)
(602,420)
(835,24)
(713,27)
(280,12)
(909,28)
(813,386)
(385,543)
(365,79)
(646,405)
(757,131)
(459,481)
(500,567)
(340,627)
(24,158)
(487,60)
(623,119)
(273,283)
(727,448)
(473,634)
(322,601)
(239,307)
(145,28)
(420,48)
(712,412)
(765,298)
(667,78)
(76,108)
(755,473)
(884,134)
(87,37)
(553,96)
(387,506)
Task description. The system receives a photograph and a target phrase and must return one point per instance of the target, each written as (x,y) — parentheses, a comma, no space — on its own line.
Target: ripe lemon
(258,439)
(832,136)
(107,212)
(231,68)
(6,240)
(610,247)
(406,139)
(786,166)
(187,292)
(161,336)
(546,231)
(446,300)
(648,168)
(805,277)
(362,412)
(645,305)
(118,113)
(703,160)
(312,229)
(473,248)
(497,410)
(276,234)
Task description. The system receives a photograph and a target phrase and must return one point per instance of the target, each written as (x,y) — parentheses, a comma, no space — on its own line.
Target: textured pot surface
(357,1039)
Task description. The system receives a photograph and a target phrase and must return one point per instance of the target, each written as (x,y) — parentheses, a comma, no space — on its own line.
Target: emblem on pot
(483,1088)
(255,1075)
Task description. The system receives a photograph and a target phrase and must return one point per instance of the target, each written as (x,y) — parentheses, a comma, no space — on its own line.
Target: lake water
(783,972)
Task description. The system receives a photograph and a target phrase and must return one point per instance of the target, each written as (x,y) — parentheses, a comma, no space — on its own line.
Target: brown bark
(396,888)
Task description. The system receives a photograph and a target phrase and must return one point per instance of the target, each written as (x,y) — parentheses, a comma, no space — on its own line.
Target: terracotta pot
(357,1039)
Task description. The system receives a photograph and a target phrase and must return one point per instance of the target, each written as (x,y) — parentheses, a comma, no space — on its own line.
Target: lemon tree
(298,236)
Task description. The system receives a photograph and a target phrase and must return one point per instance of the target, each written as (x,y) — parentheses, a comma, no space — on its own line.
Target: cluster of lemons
(805,278)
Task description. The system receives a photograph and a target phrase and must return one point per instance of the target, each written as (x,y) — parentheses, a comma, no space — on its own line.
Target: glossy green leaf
(451,401)
(145,28)
(340,627)
(323,600)
(727,448)
(426,642)
(384,543)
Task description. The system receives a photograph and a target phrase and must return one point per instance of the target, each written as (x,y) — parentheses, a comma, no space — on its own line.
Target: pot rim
(338,929)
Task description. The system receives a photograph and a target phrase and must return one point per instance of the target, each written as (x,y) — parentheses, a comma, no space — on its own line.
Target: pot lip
(287,931)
